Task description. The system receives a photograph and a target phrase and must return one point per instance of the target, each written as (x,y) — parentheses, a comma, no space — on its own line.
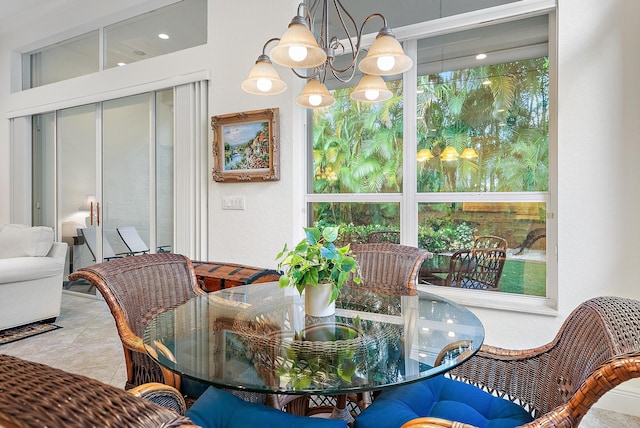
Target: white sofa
(31,270)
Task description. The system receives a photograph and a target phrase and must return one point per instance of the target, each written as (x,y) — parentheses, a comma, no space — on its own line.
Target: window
(65,60)
(179,26)
(481,153)
(169,29)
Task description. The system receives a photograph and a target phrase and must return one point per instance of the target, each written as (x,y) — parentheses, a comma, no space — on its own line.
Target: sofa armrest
(58,251)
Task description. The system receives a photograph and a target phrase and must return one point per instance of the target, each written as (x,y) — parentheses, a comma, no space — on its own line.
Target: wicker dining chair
(595,350)
(394,266)
(37,395)
(136,289)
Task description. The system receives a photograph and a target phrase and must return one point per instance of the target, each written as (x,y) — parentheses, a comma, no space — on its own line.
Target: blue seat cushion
(219,409)
(441,397)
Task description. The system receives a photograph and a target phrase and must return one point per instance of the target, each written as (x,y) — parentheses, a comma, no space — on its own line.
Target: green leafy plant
(316,259)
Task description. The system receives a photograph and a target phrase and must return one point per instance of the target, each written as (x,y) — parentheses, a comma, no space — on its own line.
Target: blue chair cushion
(219,409)
(444,398)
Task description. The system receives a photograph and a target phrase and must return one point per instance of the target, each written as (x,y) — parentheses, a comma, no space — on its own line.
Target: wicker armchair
(137,289)
(36,395)
(596,349)
(393,266)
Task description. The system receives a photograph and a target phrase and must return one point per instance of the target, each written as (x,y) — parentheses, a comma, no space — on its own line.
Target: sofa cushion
(443,398)
(18,240)
(18,269)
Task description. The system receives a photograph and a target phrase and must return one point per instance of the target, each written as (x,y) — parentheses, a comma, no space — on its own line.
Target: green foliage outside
(358,147)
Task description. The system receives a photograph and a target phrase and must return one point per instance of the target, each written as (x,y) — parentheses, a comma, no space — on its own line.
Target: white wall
(598,150)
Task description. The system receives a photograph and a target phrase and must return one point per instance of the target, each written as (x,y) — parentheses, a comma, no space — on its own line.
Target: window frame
(409,199)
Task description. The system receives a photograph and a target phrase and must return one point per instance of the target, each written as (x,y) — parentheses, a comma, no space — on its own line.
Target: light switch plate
(232,202)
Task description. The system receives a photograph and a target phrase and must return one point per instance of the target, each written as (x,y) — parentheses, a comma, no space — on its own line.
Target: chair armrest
(500,371)
(164,395)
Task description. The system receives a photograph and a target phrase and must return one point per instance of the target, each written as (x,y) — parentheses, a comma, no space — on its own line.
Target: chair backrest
(89,235)
(595,350)
(489,241)
(137,289)
(36,395)
(388,265)
(601,335)
(476,268)
(132,240)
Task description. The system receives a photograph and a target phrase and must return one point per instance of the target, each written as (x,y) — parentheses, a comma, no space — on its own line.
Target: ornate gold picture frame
(246,146)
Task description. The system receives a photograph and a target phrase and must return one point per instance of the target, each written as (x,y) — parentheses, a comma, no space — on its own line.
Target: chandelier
(311,55)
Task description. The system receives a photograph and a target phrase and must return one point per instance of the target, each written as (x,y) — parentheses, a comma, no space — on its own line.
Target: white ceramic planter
(316,300)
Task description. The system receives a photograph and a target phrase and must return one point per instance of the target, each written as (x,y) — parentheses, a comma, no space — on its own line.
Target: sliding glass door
(99,168)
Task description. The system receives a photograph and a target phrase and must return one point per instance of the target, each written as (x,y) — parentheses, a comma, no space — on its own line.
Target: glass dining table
(257,338)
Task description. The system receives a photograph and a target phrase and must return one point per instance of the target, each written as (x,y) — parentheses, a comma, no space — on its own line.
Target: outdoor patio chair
(89,235)
(553,385)
(132,240)
(479,268)
(490,241)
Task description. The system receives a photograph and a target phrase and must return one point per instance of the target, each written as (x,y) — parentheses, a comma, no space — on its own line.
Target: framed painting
(246,146)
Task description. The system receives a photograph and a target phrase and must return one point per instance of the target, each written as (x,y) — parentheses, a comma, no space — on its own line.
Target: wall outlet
(232,202)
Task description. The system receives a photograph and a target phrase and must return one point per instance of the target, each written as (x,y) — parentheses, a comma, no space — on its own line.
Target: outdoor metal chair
(490,241)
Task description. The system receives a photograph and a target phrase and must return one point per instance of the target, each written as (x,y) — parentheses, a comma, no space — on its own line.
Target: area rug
(22,332)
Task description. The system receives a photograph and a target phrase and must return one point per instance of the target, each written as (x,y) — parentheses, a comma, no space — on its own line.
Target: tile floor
(88,344)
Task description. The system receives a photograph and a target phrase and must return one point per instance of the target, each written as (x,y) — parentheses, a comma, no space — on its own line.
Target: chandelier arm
(339,6)
(335,74)
(264,48)
(303,8)
(316,73)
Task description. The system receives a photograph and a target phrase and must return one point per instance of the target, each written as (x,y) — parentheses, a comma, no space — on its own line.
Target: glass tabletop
(257,337)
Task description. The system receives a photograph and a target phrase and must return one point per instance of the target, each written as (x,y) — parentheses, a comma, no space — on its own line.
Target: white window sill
(495,300)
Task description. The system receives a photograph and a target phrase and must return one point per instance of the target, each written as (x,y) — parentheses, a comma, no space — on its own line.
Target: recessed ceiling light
(120,64)
(486,82)
(163,36)
(481,56)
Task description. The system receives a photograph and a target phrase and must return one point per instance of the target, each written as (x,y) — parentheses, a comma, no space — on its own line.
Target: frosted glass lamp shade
(298,48)
(263,79)
(315,95)
(371,89)
(385,57)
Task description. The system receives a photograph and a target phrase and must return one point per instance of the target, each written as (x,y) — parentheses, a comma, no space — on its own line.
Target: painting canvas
(245,146)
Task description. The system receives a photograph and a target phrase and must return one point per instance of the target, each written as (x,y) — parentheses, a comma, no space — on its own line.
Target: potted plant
(317,265)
